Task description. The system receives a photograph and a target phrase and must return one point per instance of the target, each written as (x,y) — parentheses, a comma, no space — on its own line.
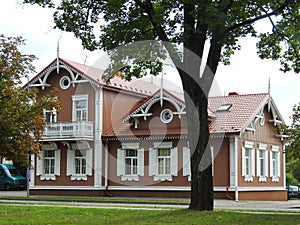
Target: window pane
(127,166)
(160,166)
(163,152)
(168,166)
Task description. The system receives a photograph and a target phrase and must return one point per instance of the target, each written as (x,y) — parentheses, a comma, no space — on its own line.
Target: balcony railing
(64,130)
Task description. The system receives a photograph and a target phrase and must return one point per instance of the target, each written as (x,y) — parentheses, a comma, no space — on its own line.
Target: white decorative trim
(162,144)
(248,144)
(130,145)
(275,179)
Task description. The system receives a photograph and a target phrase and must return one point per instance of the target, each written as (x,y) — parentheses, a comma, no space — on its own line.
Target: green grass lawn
(67,215)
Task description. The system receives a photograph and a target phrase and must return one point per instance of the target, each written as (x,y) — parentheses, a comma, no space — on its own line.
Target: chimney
(233,93)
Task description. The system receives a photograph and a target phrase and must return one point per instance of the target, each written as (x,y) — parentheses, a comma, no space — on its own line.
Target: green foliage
(293,134)
(21,123)
(290,179)
(186,23)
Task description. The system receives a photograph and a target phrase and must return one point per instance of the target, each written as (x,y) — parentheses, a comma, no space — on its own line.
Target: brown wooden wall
(265,135)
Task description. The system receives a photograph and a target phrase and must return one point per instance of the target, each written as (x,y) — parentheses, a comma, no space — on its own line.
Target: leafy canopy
(21,116)
(293,134)
(184,22)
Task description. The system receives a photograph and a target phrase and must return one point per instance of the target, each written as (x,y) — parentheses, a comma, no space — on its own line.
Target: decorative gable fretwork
(143,110)
(41,79)
(276,117)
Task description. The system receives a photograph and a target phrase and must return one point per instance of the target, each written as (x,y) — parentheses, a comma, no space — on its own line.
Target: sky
(247,74)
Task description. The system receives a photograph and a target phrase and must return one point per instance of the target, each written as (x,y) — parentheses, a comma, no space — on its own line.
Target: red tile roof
(243,110)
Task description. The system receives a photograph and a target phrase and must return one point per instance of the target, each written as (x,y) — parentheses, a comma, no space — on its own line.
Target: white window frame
(262,148)
(248,175)
(76,98)
(53,115)
(71,170)
(121,156)
(40,167)
(153,161)
(275,163)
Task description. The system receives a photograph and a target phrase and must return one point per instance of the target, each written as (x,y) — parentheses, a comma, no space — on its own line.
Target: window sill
(162,178)
(248,179)
(262,179)
(79,177)
(130,178)
(48,177)
(275,179)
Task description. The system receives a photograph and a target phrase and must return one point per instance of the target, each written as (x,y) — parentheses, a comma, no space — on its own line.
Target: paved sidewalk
(219,203)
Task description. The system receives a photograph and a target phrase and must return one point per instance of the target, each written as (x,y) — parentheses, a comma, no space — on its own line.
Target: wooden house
(130,139)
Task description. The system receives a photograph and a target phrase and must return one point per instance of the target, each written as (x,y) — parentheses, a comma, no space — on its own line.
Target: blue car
(293,191)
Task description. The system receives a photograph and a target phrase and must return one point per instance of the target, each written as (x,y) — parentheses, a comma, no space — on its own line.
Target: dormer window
(224,108)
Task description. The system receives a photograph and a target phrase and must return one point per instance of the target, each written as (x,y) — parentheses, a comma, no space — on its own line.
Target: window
(166,116)
(262,163)
(275,164)
(48,162)
(64,82)
(50,116)
(80,107)
(224,107)
(131,159)
(163,161)
(79,161)
(248,161)
(130,162)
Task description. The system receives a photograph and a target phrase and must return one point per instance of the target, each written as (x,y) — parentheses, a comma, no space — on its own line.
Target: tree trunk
(197,119)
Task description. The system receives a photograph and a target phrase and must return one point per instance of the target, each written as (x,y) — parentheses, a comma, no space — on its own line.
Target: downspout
(283,163)
(236,168)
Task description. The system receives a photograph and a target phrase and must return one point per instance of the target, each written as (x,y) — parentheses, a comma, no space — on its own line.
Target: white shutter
(186,162)
(243,162)
(70,162)
(174,161)
(40,163)
(120,162)
(141,162)
(57,162)
(89,162)
(266,159)
(271,164)
(153,170)
(252,166)
(257,162)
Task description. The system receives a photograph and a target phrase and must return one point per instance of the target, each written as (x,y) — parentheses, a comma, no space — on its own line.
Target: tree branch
(251,21)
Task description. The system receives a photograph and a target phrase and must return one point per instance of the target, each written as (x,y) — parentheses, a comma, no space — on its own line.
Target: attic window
(224,107)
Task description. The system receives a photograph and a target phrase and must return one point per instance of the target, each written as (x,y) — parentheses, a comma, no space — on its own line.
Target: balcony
(83,130)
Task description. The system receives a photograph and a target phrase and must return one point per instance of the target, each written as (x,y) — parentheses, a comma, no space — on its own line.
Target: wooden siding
(263,135)
(65,96)
(116,105)
(63,179)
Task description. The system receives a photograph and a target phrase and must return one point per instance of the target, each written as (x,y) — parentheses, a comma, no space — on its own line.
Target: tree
(293,145)
(21,121)
(185,27)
